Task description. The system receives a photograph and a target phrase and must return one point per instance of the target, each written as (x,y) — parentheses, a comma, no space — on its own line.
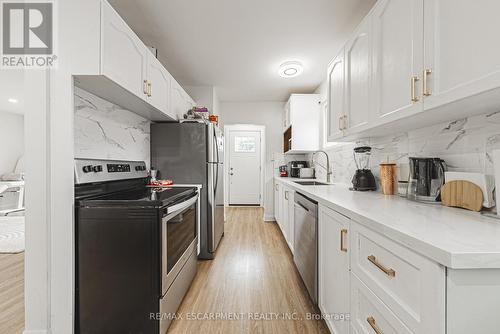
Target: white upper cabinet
(335,117)
(358,61)
(397,58)
(302,135)
(406,59)
(180,101)
(461,49)
(124,58)
(158,85)
(129,74)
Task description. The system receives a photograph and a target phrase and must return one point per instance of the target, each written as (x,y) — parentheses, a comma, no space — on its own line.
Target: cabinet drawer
(412,286)
(370,315)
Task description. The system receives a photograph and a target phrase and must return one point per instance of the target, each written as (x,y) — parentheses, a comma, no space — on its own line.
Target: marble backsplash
(104,130)
(465,145)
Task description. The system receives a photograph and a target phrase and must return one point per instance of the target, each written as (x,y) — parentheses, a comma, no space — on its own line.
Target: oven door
(179,236)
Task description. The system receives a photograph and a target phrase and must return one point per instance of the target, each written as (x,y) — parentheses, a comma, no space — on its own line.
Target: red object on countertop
(161,183)
(284,174)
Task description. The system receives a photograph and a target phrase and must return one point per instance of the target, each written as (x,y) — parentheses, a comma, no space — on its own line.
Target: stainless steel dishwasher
(306,242)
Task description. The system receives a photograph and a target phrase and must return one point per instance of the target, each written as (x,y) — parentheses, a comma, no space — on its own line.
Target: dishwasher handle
(302,206)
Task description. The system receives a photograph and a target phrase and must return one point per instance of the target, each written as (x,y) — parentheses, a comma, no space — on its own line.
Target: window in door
(244,144)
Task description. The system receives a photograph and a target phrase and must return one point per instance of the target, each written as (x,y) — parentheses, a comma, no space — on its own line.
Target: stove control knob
(137,168)
(87,169)
(97,169)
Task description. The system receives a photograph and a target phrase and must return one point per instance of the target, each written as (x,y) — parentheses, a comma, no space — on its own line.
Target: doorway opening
(12,222)
(244,164)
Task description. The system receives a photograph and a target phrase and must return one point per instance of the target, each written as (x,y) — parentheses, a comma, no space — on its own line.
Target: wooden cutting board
(462,194)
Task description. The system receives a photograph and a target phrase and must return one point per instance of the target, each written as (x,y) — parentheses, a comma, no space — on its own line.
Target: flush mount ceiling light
(290,69)
(11,100)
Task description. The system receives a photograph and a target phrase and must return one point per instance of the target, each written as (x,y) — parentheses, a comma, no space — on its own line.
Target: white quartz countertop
(455,238)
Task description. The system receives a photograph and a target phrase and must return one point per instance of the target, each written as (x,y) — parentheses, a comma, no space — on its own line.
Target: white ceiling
(238,45)
(12,87)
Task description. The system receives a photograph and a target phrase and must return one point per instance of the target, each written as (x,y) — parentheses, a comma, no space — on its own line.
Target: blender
(363,179)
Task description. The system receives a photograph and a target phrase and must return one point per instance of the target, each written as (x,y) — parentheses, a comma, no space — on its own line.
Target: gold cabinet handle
(149,89)
(414,96)
(340,123)
(286,195)
(373,325)
(345,122)
(343,234)
(145,87)
(389,272)
(426,90)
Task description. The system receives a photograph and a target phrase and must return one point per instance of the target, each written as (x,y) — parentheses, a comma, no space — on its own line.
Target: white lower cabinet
(333,269)
(381,285)
(369,314)
(410,285)
(284,211)
(277,202)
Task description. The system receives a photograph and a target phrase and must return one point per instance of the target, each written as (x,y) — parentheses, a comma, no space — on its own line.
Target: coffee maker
(426,179)
(363,179)
(295,167)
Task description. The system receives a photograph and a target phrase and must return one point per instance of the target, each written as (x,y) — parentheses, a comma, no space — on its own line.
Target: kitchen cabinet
(409,66)
(397,59)
(358,74)
(335,117)
(302,134)
(396,279)
(277,202)
(181,101)
(388,269)
(130,76)
(461,49)
(287,214)
(284,211)
(124,58)
(333,269)
(286,116)
(158,84)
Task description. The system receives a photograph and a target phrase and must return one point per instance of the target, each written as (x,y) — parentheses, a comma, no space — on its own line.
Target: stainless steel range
(135,248)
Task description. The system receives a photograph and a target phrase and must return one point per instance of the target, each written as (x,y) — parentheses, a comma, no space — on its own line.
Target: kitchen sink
(312,183)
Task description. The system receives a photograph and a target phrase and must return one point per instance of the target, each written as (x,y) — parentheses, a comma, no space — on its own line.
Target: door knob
(231,174)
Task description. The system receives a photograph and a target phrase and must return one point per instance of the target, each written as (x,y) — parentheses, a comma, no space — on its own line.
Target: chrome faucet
(328,170)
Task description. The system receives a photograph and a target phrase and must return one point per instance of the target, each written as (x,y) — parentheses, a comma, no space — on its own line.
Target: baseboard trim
(269,218)
(36,331)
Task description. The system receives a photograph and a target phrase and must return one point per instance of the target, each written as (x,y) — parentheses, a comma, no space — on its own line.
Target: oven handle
(182,206)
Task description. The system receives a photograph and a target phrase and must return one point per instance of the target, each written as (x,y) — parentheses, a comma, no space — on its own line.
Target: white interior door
(244,167)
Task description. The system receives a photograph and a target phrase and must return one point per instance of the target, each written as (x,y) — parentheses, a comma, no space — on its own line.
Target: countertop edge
(452,260)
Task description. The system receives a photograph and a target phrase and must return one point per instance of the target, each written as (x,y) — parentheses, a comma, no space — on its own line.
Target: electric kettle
(426,179)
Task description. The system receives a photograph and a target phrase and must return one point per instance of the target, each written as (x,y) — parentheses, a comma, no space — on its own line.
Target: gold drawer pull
(389,272)
(343,233)
(371,321)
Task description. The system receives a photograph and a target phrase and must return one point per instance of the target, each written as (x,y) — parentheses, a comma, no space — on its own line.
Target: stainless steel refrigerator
(193,153)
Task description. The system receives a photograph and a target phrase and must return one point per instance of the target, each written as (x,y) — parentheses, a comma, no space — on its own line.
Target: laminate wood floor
(11,293)
(252,279)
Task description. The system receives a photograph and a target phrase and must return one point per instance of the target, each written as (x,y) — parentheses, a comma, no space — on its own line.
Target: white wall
(205,96)
(268,114)
(11,140)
